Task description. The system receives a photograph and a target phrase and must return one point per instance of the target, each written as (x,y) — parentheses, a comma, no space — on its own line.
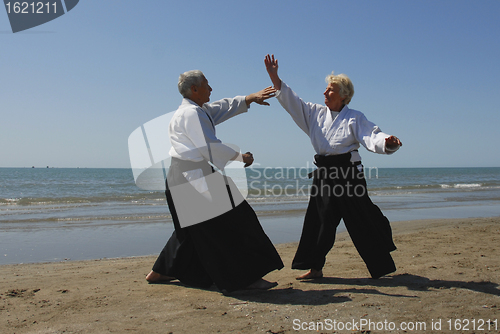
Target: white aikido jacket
(333,132)
(192,135)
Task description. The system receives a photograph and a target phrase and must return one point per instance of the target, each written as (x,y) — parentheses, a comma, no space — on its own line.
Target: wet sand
(448,277)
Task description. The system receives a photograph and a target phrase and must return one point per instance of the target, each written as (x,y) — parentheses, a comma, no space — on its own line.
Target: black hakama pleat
(339,192)
(231,251)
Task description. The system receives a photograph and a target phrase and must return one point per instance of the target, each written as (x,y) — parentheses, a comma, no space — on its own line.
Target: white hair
(188,79)
(346,88)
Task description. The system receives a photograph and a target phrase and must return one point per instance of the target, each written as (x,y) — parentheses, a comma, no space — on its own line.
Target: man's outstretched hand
(261,96)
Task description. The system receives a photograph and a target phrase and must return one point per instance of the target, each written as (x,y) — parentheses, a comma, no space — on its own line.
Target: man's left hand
(247,159)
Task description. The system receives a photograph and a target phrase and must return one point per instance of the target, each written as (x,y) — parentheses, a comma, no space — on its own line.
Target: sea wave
(436,187)
(276,194)
(135,198)
(467,185)
(91,220)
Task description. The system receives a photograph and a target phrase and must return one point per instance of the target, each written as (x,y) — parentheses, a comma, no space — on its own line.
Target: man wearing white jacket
(229,249)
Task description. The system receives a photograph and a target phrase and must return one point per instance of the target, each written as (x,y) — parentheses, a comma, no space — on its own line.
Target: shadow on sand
(293,296)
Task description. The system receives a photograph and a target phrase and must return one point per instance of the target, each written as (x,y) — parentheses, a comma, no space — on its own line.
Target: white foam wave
(467,185)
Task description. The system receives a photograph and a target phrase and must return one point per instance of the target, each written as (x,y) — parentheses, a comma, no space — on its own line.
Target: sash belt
(329,161)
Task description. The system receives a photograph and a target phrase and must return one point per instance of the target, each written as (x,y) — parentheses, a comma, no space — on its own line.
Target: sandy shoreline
(448,273)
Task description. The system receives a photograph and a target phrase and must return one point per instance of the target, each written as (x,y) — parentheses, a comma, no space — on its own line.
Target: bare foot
(261,284)
(313,273)
(155,277)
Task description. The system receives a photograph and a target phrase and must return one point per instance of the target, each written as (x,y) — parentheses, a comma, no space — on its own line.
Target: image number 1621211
(31,8)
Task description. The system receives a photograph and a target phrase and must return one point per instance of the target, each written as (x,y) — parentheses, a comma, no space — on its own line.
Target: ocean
(57,214)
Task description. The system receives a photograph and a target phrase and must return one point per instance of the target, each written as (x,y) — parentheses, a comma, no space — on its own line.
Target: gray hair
(188,79)
(346,88)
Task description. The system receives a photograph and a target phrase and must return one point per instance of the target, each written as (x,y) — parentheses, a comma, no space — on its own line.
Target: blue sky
(74,89)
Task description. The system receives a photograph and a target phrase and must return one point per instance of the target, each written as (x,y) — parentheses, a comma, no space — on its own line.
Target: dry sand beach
(448,277)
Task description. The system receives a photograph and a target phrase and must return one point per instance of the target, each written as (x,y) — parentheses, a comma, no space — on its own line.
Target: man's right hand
(261,96)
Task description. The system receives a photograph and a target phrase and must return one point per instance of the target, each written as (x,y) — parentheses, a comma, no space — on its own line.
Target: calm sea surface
(52,214)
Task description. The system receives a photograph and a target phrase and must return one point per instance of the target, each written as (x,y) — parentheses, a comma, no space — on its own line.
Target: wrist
(238,157)
(276,82)
(249,99)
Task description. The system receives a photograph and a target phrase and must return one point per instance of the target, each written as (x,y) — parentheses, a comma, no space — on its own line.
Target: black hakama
(231,251)
(339,192)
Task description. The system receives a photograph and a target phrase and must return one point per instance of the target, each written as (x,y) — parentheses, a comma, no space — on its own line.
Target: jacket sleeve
(302,112)
(370,135)
(224,109)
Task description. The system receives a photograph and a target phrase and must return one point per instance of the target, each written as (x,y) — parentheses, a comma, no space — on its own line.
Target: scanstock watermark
(25,15)
(347,181)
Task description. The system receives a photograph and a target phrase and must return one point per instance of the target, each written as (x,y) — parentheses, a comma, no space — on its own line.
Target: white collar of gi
(345,107)
(186,101)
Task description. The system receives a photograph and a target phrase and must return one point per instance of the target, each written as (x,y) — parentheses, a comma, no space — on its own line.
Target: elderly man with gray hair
(339,187)
(225,247)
